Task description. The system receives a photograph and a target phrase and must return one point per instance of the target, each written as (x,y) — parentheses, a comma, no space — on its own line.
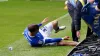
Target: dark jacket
(77,15)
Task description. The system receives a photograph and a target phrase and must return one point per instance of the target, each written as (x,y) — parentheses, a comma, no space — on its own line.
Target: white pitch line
(62,16)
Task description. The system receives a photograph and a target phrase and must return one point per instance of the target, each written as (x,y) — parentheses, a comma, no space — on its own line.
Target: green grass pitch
(16,15)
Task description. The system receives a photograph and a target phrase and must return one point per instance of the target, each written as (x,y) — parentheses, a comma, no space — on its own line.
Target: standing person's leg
(71,12)
(89,32)
(75,38)
(70,9)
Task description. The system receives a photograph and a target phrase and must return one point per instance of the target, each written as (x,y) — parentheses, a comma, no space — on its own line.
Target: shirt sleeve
(52,40)
(39,24)
(77,15)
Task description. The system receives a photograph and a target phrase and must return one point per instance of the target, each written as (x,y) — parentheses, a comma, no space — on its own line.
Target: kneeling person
(41,37)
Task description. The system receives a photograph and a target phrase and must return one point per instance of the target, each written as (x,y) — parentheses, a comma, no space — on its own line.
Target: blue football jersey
(36,40)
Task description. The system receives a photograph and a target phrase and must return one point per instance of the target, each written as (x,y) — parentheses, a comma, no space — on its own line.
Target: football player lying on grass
(41,37)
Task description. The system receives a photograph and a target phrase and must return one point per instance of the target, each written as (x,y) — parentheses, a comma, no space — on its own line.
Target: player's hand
(78,34)
(45,20)
(66,38)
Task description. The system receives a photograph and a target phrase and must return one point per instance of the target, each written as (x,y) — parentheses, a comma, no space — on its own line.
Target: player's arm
(44,21)
(51,40)
(77,17)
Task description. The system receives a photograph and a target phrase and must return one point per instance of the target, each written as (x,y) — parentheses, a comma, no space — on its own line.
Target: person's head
(33,28)
(91,1)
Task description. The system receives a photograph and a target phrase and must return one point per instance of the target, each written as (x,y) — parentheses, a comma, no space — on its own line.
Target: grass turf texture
(15,16)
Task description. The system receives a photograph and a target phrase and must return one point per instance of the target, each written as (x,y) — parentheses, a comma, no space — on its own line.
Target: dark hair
(98,4)
(33,27)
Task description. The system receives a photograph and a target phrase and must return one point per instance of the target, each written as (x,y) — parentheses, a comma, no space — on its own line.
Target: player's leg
(89,32)
(74,37)
(70,9)
(71,13)
(56,27)
(70,43)
(47,29)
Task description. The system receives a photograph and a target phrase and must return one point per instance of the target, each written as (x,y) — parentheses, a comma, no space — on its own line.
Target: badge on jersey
(40,42)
